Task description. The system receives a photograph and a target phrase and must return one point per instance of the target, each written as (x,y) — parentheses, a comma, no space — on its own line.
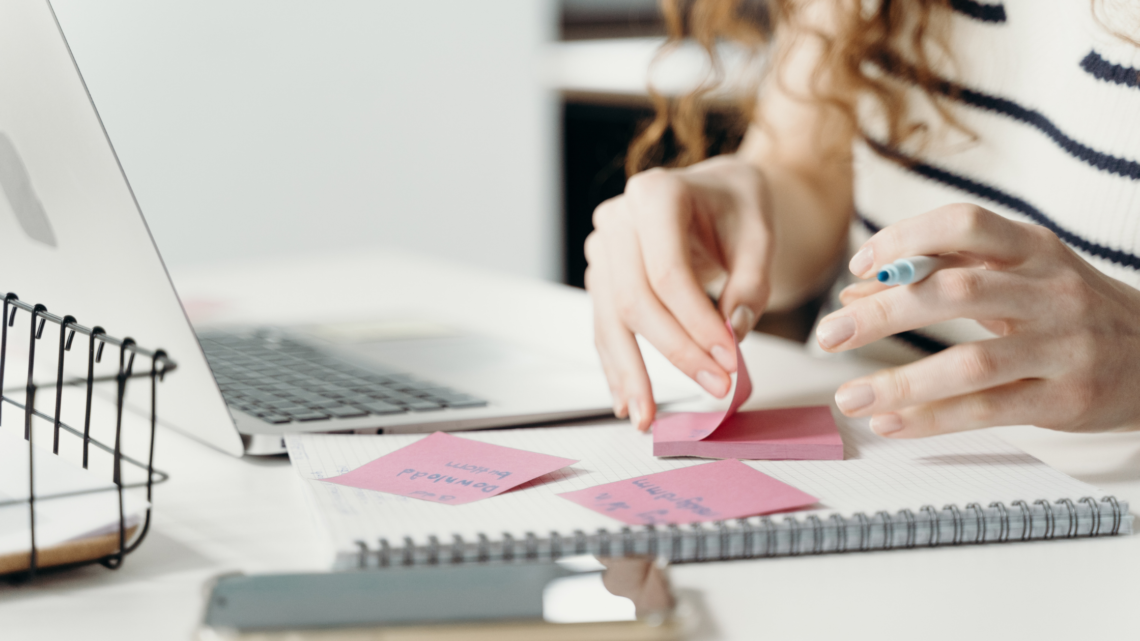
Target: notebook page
(877,474)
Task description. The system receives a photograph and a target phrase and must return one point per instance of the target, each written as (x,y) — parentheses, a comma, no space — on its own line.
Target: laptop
(74,239)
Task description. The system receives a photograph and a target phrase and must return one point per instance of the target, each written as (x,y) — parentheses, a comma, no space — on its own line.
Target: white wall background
(260,127)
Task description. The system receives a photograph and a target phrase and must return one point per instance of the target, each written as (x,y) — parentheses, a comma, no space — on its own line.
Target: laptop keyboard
(281,380)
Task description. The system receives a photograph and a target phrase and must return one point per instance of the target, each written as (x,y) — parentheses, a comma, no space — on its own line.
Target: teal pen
(906,271)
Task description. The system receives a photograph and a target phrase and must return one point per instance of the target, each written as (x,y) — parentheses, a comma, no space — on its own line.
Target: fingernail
(854,398)
(635,415)
(723,357)
(834,331)
(862,262)
(619,412)
(743,320)
(714,384)
(885,424)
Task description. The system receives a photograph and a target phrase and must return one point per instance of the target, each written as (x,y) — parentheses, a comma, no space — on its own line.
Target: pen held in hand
(906,271)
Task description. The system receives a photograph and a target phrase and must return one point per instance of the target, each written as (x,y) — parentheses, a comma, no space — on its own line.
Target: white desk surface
(219,513)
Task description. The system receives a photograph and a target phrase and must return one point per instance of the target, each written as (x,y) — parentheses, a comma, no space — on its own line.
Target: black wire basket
(95,445)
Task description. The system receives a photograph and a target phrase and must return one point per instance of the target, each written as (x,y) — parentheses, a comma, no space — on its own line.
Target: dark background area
(595,138)
(591,19)
(596,131)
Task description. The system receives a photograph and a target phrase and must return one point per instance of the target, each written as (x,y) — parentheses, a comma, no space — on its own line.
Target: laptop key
(276,419)
(353,398)
(403,399)
(465,403)
(420,405)
(380,407)
(345,411)
(311,397)
(311,415)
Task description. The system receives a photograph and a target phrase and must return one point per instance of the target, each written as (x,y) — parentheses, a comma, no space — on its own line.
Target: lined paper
(877,474)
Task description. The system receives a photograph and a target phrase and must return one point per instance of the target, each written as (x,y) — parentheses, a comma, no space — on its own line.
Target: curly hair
(876,49)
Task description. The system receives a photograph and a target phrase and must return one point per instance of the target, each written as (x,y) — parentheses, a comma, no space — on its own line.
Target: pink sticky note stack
(799,433)
(706,492)
(448,469)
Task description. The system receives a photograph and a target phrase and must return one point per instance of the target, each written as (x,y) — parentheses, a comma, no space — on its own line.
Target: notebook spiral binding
(760,537)
(127,537)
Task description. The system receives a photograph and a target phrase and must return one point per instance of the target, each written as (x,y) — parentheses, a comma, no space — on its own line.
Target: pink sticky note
(802,433)
(791,433)
(448,469)
(708,492)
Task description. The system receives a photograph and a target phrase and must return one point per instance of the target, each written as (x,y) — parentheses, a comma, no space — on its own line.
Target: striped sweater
(1054,99)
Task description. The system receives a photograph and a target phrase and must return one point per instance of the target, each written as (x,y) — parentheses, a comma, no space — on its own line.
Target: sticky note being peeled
(694,494)
(791,433)
(448,469)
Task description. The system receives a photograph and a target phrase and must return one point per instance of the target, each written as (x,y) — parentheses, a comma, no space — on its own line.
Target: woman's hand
(653,252)
(1067,356)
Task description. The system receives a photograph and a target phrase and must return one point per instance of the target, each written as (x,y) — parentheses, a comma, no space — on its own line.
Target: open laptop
(72,237)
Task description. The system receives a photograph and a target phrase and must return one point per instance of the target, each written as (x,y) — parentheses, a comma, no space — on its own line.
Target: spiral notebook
(963,488)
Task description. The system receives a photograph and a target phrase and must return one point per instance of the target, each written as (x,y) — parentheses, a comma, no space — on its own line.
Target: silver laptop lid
(71,234)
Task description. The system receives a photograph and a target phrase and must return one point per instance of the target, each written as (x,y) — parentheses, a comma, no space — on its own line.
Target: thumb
(745,294)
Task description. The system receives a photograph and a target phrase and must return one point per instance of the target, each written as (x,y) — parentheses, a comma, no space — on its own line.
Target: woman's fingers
(962,369)
(617,347)
(866,288)
(638,309)
(621,358)
(661,209)
(961,228)
(859,290)
(744,240)
(651,253)
(978,294)
(1025,402)
(745,294)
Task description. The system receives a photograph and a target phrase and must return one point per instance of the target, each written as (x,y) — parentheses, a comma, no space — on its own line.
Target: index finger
(665,216)
(962,228)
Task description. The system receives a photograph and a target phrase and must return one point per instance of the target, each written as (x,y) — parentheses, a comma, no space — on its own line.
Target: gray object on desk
(581,597)
(392,597)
